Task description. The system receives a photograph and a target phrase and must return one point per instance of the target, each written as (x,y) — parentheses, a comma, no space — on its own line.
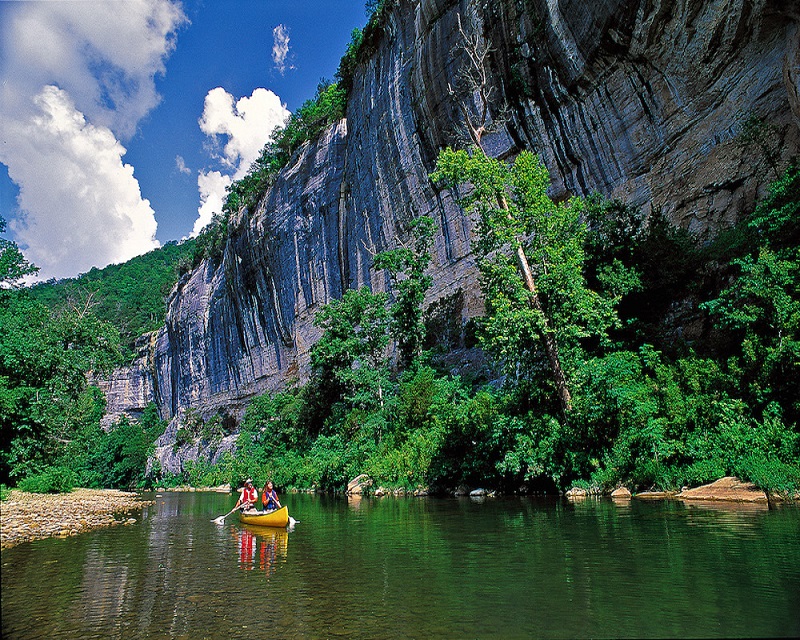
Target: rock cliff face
(640,100)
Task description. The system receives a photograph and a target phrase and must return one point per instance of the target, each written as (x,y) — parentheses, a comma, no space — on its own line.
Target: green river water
(415,568)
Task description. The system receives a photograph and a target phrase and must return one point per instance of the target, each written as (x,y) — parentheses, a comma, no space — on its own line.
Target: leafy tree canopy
(13,265)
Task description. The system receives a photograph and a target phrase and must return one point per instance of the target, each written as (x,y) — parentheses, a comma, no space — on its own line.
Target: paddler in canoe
(274,514)
(269,497)
(248,496)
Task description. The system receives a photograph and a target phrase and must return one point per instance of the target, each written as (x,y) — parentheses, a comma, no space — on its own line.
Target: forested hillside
(54,336)
(131,296)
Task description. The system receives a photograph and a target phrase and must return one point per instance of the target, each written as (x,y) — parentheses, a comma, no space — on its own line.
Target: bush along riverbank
(677,359)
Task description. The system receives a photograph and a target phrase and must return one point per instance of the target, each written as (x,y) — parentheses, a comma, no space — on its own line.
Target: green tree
(497,223)
(13,265)
(406,267)
(530,253)
(352,349)
(46,357)
(776,220)
(762,305)
(763,136)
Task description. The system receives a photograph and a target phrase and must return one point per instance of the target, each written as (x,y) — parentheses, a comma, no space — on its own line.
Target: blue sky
(190,90)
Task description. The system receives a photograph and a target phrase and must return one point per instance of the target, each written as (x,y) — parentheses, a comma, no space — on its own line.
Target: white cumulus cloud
(83,205)
(75,79)
(212,186)
(280,48)
(104,54)
(247,123)
(239,130)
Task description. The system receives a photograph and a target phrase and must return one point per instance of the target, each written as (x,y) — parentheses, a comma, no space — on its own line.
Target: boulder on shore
(358,485)
(623,493)
(577,492)
(728,489)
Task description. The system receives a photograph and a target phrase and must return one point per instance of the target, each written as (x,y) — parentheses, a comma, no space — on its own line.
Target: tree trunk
(550,344)
(476,131)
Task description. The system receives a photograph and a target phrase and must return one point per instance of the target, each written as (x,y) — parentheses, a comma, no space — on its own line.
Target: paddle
(221,519)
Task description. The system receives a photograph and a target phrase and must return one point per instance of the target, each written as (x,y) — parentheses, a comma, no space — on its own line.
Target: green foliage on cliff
(406,267)
(304,125)
(350,356)
(364,42)
(118,457)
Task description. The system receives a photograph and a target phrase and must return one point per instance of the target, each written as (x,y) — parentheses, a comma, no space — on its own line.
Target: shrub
(770,474)
(271,421)
(51,480)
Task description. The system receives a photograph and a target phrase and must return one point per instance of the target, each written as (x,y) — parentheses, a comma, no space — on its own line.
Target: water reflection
(354,502)
(261,547)
(414,568)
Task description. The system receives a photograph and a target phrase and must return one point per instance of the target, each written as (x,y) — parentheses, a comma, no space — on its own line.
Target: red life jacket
(249,495)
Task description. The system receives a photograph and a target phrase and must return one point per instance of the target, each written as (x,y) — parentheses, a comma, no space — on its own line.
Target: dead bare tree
(474,97)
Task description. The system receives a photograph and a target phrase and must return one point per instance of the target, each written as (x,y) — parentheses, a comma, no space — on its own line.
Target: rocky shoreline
(34,516)
(725,490)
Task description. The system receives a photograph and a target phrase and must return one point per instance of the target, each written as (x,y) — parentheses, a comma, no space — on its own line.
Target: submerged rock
(654,495)
(577,492)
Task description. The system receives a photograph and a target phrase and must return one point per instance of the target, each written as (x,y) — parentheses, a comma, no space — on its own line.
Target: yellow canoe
(276,518)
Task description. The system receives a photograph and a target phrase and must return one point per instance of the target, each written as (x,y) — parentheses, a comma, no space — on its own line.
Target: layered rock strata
(640,100)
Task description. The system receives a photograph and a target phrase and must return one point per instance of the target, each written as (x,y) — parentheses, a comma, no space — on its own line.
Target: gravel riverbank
(34,516)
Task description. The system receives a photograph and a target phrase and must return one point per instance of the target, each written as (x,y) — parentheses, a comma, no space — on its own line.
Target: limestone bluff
(638,100)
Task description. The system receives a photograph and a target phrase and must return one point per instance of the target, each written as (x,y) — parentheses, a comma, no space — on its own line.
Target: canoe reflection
(261,547)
